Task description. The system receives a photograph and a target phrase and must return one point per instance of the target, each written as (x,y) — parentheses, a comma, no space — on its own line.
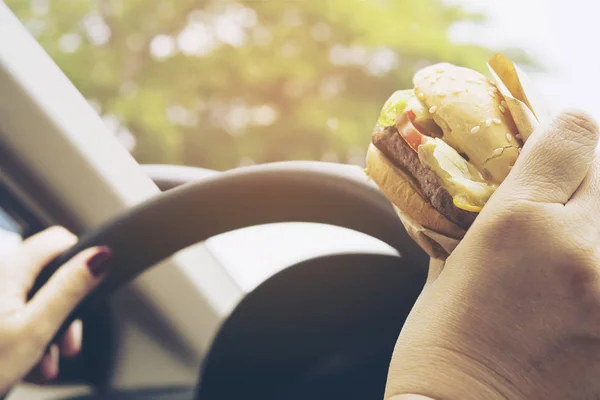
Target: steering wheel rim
(295,191)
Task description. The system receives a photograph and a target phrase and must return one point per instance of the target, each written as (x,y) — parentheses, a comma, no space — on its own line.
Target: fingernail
(99,261)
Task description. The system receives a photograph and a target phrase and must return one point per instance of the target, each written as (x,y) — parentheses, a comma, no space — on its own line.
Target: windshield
(230,83)
(240,82)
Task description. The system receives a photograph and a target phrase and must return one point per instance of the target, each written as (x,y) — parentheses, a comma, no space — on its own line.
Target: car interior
(285,279)
(321,327)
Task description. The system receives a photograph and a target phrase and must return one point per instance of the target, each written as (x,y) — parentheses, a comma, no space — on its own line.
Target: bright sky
(527,28)
(562,34)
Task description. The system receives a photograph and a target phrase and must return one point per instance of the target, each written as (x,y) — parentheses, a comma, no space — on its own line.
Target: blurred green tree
(222,83)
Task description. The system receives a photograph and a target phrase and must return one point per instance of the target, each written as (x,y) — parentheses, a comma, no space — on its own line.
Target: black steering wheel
(315,192)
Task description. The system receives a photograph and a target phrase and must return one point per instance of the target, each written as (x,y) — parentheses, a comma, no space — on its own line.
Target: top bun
(471,113)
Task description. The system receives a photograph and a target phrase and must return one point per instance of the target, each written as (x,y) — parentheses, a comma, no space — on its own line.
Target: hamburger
(440,150)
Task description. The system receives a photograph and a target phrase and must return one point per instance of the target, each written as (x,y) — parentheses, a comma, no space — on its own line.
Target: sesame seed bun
(470,111)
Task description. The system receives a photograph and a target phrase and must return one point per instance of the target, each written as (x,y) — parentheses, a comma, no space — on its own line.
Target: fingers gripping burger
(440,150)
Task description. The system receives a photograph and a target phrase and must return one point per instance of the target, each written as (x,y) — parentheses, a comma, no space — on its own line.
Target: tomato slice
(408,131)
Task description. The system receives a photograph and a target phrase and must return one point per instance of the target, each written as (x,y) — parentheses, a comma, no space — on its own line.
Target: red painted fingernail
(98,263)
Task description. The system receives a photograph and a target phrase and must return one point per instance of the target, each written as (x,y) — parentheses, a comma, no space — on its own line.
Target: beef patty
(395,148)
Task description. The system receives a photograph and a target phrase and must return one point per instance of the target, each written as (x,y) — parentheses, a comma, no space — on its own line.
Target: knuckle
(577,122)
(512,220)
(74,288)
(522,213)
(60,232)
(533,187)
(578,255)
(78,279)
(52,240)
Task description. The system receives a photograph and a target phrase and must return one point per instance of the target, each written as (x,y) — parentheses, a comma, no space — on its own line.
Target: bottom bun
(400,189)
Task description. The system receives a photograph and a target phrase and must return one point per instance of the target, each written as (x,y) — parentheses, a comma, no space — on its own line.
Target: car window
(223,83)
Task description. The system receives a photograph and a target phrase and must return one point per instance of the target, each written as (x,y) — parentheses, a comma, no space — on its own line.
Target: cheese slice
(469,190)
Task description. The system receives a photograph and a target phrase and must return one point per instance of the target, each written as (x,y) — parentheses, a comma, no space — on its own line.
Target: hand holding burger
(515,312)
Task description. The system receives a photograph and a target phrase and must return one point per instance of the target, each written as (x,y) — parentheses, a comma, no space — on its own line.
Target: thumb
(554,161)
(53,303)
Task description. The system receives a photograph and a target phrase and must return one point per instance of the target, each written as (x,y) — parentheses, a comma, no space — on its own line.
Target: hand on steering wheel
(28,325)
